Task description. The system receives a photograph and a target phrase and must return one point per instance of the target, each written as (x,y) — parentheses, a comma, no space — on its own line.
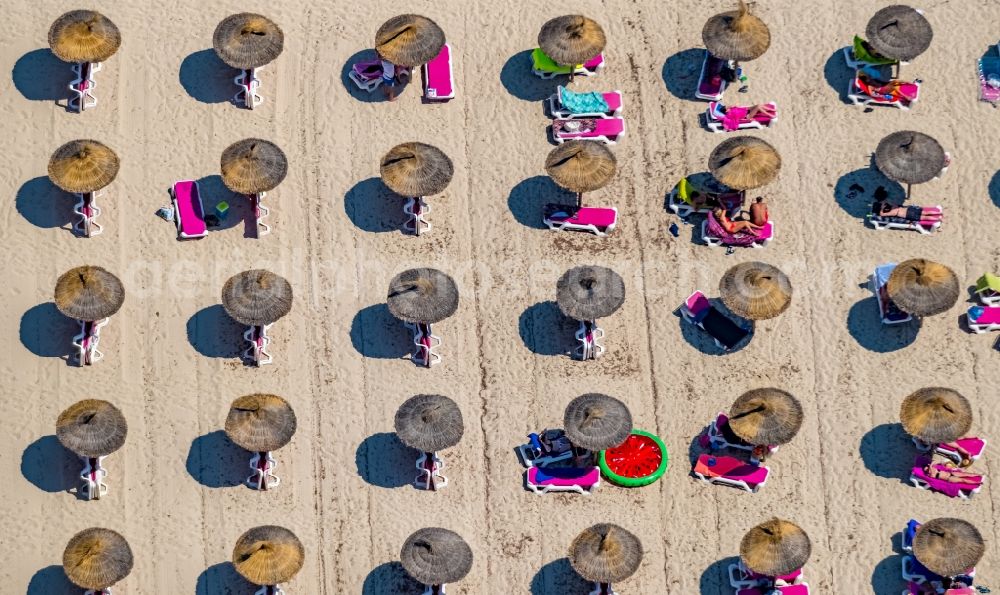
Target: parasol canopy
(590,292)
(92,428)
(253,165)
(409,40)
(423,296)
(605,553)
(744,162)
(97,558)
(766,416)
(260,422)
(429,423)
(910,157)
(597,422)
(948,546)
(84,165)
(755,290)
(247,40)
(89,293)
(581,166)
(84,36)
(923,287)
(268,555)
(899,32)
(936,415)
(435,556)
(775,547)
(256,297)
(416,169)
(571,39)
(736,35)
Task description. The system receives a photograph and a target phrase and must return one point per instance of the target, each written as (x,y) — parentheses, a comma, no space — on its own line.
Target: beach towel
(733,116)
(716,230)
(989,79)
(583,103)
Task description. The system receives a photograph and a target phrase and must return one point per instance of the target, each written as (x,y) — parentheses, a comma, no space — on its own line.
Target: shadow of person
(49,466)
(43,204)
(371,206)
(384,461)
(40,76)
(390,577)
(47,332)
(838,74)
(213,191)
(52,580)
(885,451)
(558,577)
(222,579)
(517,78)
(213,333)
(865,325)
(528,198)
(855,191)
(545,330)
(886,579)
(206,78)
(215,461)
(994,189)
(375,332)
(681,71)
(376,95)
(714,580)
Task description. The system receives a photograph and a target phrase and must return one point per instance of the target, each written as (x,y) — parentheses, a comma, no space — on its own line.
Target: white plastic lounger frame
(263,478)
(257,351)
(87,225)
(270,590)
(260,212)
(605,589)
(416,209)
(430,479)
(425,354)
(591,343)
(81,100)
(89,354)
(715,242)
(248,94)
(92,485)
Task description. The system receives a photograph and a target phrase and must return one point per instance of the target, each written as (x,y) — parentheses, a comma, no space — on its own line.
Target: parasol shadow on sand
(41,76)
(837,74)
(854,191)
(221,578)
(681,71)
(213,333)
(206,78)
(382,460)
(528,198)
(45,205)
(865,326)
(558,576)
(213,191)
(372,207)
(51,580)
(517,78)
(883,451)
(375,332)
(715,578)
(46,332)
(214,461)
(885,575)
(545,330)
(48,466)
(390,577)
(994,189)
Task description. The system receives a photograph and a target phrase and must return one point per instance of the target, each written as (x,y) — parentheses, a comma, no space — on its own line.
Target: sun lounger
(857,56)
(973,445)
(259,342)
(590,337)
(259,213)
(92,476)
(544,67)
(603,589)
(989,79)
(730,471)
(888,311)
(249,86)
(736,118)
(426,342)
(434,590)
(599,221)
(535,452)
(681,202)
(439,80)
(367,75)
(189,213)
(741,577)
(263,477)
(697,310)
(923,481)
(711,85)
(908,533)
(916,572)
(799,589)
(265,590)
(416,209)
(86,342)
(988,289)
(543,480)
(87,210)
(861,93)
(982,319)
(604,130)
(924,226)
(718,436)
(83,86)
(558,109)
(713,234)
(430,478)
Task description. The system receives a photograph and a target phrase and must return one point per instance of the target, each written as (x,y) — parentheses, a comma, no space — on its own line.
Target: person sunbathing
(963,453)
(952,475)
(889,210)
(719,111)
(734,227)
(891,88)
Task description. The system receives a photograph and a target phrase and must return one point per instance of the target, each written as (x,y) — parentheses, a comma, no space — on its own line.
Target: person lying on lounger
(952,475)
(889,88)
(720,111)
(734,227)
(965,454)
(889,210)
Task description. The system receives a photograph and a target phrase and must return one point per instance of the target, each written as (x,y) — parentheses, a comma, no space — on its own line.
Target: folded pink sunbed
(439,83)
(189,213)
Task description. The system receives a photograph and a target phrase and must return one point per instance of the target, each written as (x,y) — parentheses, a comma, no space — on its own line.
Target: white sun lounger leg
(92,479)
(417,208)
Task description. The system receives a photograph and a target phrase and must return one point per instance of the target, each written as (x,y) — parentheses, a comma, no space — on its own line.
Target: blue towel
(975,312)
(583,103)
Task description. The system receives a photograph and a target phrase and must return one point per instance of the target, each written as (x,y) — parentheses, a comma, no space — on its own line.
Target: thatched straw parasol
(581,166)
(247,40)
(83,165)
(97,558)
(597,422)
(256,297)
(910,157)
(936,415)
(436,556)
(416,169)
(736,35)
(923,287)
(422,295)
(571,39)
(429,423)
(755,290)
(605,553)
(775,547)
(899,32)
(948,546)
(590,292)
(268,555)
(92,428)
(744,162)
(260,422)
(253,165)
(84,36)
(89,293)
(766,416)
(409,40)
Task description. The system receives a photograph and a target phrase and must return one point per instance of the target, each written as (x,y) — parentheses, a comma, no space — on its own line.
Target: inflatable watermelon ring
(639,461)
